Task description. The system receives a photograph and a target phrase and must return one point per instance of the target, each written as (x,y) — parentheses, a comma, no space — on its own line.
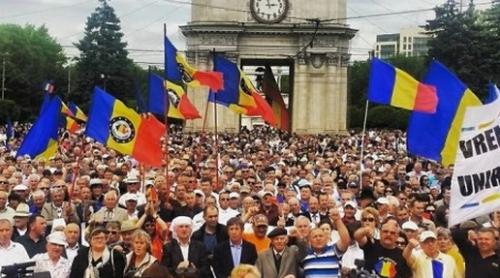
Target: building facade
(275,32)
(408,42)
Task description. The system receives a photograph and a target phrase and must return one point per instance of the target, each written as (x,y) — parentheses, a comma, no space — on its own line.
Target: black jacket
(197,255)
(109,270)
(220,233)
(223,258)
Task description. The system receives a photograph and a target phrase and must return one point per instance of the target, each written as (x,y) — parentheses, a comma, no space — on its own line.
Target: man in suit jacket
(313,214)
(110,212)
(279,260)
(58,208)
(183,256)
(233,252)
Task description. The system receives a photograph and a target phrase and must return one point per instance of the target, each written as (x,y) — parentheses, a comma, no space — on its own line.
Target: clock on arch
(269,11)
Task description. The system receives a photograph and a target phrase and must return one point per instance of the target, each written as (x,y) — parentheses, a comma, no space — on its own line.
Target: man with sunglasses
(383,256)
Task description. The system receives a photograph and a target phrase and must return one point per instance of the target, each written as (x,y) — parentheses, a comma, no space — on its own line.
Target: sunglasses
(3,182)
(368,219)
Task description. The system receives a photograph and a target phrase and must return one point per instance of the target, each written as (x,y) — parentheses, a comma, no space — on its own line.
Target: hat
(20,187)
(245,189)
(128,226)
(277,232)
(350,204)
(410,225)
(22,210)
(57,238)
(260,220)
(95,182)
(352,184)
(130,197)
(303,183)
(262,194)
(382,201)
(131,179)
(234,195)
(426,235)
(199,192)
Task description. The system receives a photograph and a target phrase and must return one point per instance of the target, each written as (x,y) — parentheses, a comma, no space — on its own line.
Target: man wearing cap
(10,252)
(269,208)
(429,261)
(132,190)
(410,229)
(21,220)
(258,236)
(349,213)
(22,191)
(278,260)
(127,229)
(225,212)
(131,207)
(382,207)
(52,261)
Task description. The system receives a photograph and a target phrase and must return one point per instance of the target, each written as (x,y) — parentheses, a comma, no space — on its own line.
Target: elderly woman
(98,261)
(140,259)
(446,245)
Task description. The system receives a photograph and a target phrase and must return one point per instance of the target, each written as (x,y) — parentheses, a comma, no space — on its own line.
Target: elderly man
(133,185)
(6,212)
(58,208)
(183,255)
(110,211)
(52,261)
(429,261)
(323,259)
(279,260)
(258,236)
(72,234)
(10,252)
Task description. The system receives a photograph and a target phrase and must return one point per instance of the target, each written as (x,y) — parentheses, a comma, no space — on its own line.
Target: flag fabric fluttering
(493,93)
(179,71)
(435,136)
(77,112)
(41,142)
(139,99)
(124,130)
(273,95)
(66,111)
(71,125)
(179,106)
(392,86)
(237,91)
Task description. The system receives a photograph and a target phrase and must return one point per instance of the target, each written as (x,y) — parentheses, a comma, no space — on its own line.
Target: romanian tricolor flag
(77,112)
(41,140)
(71,125)
(237,91)
(124,130)
(435,136)
(385,268)
(65,110)
(179,106)
(180,72)
(392,86)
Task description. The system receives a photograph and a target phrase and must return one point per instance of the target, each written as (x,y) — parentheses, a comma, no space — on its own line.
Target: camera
(360,271)
(22,270)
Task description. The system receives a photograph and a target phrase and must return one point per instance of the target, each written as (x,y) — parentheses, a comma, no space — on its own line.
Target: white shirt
(226,214)
(352,253)
(60,269)
(71,252)
(7,213)
(13,254)
(184,250)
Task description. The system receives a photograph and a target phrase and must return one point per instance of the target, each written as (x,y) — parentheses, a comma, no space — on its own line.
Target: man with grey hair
(6,212)
(59,208)
(110,211)
(10,252)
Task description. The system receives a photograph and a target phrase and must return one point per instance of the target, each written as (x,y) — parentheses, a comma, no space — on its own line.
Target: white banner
(475,186)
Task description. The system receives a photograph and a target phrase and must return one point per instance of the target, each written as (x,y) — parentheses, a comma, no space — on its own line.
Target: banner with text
(475,186)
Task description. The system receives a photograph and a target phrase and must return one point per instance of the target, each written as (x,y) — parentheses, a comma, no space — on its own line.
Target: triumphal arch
(310,38)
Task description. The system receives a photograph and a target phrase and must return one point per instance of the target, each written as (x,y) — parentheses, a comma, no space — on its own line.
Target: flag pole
(361,157)
(166,110)
(216,136)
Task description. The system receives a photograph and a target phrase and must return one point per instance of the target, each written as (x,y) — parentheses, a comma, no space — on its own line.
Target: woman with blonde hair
(370,217)
(245,271)
(140,258)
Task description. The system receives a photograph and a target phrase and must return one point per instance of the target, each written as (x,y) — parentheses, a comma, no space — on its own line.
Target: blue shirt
(236,252)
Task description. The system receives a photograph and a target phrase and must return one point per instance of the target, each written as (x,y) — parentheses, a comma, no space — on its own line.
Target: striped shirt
(324,264)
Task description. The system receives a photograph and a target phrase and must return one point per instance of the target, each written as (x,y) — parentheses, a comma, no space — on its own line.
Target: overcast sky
(142,20)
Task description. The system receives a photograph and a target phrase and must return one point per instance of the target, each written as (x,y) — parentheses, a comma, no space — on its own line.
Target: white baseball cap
(426,235)
(57,238)
(409,225)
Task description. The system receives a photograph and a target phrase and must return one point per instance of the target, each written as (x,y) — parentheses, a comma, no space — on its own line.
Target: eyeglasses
(44,188)
(3,182)
(250,182)
(113,232)
(401,243)
(368,219)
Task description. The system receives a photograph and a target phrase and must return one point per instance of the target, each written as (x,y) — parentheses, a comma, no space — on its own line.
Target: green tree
(31,57)
(491,25)
(460,43)
(103,57)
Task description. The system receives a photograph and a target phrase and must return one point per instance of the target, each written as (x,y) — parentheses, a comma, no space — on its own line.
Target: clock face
(269,11)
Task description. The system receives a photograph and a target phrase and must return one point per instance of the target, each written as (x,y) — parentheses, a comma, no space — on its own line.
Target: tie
(277,262)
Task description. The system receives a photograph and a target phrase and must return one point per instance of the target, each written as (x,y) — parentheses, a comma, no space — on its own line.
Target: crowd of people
(259,203)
